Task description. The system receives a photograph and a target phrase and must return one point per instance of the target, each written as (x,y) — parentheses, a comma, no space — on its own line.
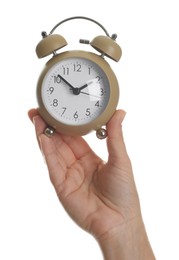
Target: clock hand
(66,82)
(76,91)
(86,85)
(90,94)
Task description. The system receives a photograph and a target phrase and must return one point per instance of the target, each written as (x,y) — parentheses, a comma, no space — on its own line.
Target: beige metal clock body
(77,92)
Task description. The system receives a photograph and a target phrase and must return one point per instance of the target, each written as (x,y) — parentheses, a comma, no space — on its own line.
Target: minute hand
(66,82)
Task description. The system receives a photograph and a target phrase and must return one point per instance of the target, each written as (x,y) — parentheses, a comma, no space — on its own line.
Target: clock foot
(49,131)
(101,133)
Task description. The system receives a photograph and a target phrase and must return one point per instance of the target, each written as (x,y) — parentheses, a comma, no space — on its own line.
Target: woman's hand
(100,197)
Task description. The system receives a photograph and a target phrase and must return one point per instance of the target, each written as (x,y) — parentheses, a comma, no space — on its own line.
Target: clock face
(75,91)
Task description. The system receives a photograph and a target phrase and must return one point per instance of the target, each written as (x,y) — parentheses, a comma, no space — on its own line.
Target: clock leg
(101,133)
(49,131)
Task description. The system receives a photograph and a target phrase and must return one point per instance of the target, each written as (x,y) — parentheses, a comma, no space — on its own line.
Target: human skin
(100,197)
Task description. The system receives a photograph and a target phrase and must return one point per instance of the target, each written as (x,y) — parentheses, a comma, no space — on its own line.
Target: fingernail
(34,119)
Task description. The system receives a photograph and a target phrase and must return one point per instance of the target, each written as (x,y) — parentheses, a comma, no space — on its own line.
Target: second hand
(89,94)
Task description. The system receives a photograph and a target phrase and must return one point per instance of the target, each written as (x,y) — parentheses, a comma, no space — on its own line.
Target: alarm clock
(77,91)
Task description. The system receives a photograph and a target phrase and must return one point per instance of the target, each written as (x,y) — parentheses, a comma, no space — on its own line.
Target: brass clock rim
(103,118)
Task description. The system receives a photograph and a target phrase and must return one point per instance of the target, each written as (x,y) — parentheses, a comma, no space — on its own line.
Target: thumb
(118,156)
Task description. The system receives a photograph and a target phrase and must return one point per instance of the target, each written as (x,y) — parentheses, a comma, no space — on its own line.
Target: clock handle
(105,44)
(79,17)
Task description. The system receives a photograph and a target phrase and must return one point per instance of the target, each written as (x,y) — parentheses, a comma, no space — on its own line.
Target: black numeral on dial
(57,79)
(64,109)
(55,103)
(77,67)
(75,115)
(88,112)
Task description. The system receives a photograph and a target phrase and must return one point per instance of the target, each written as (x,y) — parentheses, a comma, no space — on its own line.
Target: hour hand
(86,85)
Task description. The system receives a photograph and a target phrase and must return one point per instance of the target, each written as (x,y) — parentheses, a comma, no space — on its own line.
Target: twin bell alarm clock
(77,91)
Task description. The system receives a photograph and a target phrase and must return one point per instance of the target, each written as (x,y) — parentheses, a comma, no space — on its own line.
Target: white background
(33,224)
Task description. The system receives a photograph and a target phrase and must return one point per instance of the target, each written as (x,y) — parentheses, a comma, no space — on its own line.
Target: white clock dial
(75,91)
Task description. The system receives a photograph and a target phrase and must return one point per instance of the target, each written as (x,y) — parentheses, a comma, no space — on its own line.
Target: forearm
(127,243)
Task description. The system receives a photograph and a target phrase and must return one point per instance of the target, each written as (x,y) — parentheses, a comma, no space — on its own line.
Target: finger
(38,122)
(57,155)
(56,152)
(32,113)
(54,144)
(83,153)
(78,145)
(115,142)
(56,162)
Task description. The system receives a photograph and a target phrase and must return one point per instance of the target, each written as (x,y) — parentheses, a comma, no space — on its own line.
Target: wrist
(127,242)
